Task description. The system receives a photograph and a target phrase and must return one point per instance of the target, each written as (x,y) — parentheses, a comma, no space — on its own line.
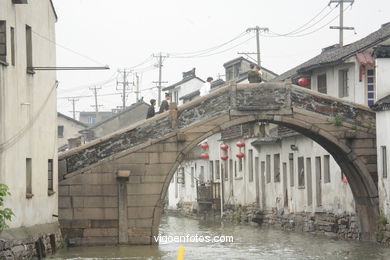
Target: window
(277,167)
(384,161)
(301,173)
(13,46)
(50,175)
(309,182)
(370,87)
(192,176)
(176,96)
(180,176)
(28,178)
(326,169)
(250,166)
(343,83)
(201,175)
(217,170)
(3,42)
(321,83)
(291,166)
(211,170)
(229,73)
(268,168)
(91,120)
(231,169)
(60,130)
(225,171)
(29,55)
(240,162)
(235,169)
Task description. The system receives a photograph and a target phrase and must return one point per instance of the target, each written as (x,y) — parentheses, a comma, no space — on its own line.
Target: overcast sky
(123,33)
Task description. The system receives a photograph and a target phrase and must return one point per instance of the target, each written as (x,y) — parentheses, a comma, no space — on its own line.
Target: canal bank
(249,243)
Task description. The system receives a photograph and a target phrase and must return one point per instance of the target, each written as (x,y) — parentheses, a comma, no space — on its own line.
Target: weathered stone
(140,212)
(100,232)
(142,200)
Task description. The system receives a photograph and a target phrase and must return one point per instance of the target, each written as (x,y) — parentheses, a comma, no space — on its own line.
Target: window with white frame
(343,83)
(370,81)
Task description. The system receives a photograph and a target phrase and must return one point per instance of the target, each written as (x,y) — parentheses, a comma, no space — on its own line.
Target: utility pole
(73,100)
(258,30)
(94,90)
(341,26)
(159,82)
(125,84)
(137,86)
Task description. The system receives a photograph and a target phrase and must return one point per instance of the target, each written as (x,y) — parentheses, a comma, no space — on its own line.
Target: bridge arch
(152,150)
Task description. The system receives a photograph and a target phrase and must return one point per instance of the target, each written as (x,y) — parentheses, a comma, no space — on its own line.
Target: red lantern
(240,155)
(204,145)
(224,157)
(240,144)
(204,155)
(224,147)
(345,181)
(303,82)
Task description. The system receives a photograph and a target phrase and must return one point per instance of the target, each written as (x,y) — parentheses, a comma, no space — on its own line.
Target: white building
(270,174)
(382,106)
(67,128)
(189,83)
(28,116)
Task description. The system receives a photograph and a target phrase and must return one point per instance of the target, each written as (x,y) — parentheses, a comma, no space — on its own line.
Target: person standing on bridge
(205,89)
(164,104)
(254,75)
(151,109)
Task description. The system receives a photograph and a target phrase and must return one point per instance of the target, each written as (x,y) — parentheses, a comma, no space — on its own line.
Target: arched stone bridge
(100,203)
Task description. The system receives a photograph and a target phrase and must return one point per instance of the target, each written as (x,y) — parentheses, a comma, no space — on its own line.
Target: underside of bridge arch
(120,198)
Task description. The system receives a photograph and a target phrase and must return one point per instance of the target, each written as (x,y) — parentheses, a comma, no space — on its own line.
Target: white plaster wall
(336,195)
(382,77)
(383,139)
(36,121)
(187,87)
(71,130)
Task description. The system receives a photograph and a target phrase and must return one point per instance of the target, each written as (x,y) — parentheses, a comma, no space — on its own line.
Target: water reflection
(250,242)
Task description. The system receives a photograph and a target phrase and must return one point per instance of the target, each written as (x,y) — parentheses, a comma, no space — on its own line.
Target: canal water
(249,242)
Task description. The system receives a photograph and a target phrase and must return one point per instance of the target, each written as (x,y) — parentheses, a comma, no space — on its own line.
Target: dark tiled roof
(382,104)
(190,95)
(182,82)
(71,119)
(335,54)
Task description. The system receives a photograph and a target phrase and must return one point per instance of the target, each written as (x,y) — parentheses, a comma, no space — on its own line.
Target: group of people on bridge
(254,76)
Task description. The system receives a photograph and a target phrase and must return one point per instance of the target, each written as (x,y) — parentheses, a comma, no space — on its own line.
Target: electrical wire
(68,49)
(216,53)
(204,51)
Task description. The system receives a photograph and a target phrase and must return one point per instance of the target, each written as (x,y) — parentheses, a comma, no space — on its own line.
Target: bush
(5,214)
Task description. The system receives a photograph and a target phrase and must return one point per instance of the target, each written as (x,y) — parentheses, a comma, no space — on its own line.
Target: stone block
(168,157)
(138,240)
(81,223)
(97,202)
(72,232)
(106,223)
(155,148)
(76,190)
(135,179)
(147,188)
(134,158)
(100,232)
(95,241)
(64,202)
(64,223)
(153,179)
(65,213)
(158,169)
(170,147)
(100,190)
(144,223)
(136,169)
(140,212)
(63,190)
(95,213)
(142,232)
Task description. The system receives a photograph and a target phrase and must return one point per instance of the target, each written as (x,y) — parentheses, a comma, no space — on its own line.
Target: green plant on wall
(338,120)
(5,214)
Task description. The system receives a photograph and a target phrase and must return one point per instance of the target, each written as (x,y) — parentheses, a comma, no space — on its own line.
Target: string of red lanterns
(240,144)
(224,148)
(204,147)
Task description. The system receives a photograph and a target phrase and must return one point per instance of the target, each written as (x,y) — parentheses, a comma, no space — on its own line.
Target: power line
(160,58)
(68,49)
(73,100)
(341,27)
(125,84)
